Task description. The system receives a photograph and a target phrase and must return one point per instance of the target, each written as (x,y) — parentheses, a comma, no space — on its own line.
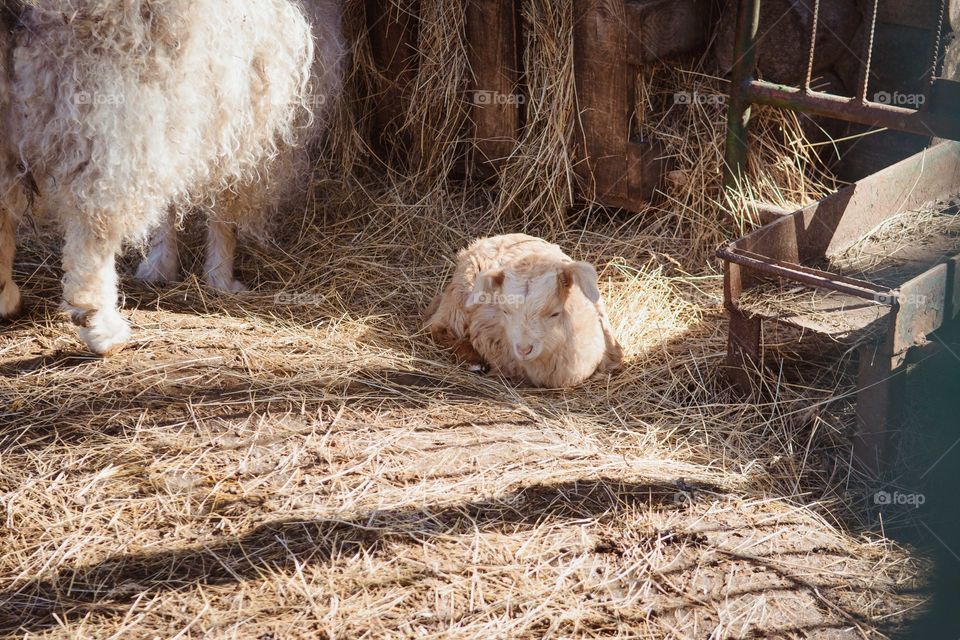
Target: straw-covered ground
(300,462)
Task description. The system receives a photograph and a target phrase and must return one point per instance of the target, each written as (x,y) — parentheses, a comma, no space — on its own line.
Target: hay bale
(785,37)
(685,111)
(537,185)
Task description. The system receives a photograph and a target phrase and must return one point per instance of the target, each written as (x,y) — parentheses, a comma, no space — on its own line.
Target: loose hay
(301,462)
(685,110)
(903,246)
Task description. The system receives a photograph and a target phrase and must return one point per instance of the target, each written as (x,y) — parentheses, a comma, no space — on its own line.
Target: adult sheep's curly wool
(116,110)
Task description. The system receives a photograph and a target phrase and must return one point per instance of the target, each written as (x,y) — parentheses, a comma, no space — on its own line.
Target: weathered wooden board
(600,44)
(646,168)
(496,96)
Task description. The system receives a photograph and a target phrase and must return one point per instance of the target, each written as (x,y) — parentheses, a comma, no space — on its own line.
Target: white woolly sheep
(116,112)
(287,187)
(521,306)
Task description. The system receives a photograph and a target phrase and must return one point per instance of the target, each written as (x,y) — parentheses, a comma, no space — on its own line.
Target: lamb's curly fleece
(116,111)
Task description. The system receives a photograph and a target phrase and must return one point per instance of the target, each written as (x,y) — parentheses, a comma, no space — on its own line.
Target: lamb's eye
(555,314)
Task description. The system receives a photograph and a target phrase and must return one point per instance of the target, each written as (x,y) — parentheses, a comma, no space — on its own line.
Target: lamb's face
(531,314)
(539,311)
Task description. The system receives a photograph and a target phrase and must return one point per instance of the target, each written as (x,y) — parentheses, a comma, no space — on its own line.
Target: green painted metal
(738,112)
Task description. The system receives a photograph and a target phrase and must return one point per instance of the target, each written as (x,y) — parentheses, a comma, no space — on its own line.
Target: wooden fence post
(393,37)
(600,64)
(492,38)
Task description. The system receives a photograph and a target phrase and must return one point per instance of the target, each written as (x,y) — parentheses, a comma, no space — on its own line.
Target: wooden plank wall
(613,39)
(602,73)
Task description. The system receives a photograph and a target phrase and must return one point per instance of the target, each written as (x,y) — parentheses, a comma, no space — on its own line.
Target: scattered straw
(300,462)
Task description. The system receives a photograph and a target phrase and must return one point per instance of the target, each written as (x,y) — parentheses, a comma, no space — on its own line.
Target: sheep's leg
(464,351)
(90,290)
(461,346)
(10,301)
(218,267)
(162,264)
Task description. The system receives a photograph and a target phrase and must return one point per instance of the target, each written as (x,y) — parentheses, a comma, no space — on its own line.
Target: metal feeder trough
(888,321)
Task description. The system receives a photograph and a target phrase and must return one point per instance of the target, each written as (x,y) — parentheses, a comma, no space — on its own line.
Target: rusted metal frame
(850,110)
(797,237)
(809,276)
(744,349)
(880,385)
(738,112)
(746,91)
(927,303)
(832,224)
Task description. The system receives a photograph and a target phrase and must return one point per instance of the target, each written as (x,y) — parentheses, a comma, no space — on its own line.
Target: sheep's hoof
(155,272)
(103,330)
(11,304)
(227,285)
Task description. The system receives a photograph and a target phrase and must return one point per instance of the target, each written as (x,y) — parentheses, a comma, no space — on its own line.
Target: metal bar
(813,277)
(934,69)
(813,45)
(744,355)
(880,393)
(842,108)
(868,54)
(738,113)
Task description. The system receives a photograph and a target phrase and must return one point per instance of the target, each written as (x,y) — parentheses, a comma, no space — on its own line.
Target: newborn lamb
(520,306)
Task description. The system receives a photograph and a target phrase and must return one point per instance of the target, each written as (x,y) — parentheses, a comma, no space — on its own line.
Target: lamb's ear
(485,288)
(584,275)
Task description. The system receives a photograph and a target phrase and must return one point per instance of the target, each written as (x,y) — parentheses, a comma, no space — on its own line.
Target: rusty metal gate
(938,113)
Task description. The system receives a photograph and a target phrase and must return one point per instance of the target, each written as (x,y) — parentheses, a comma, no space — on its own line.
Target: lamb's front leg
(221,247)
(90,290)
(10,301)
(162,264)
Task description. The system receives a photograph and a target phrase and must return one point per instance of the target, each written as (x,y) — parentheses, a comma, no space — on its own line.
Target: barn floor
(296,462)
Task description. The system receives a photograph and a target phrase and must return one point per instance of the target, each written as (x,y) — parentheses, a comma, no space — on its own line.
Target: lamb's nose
(524,349)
